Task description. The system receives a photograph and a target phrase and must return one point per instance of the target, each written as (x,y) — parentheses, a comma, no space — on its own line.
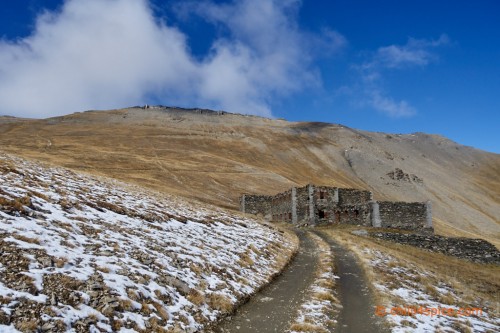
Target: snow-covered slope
(416,307)
(84,254)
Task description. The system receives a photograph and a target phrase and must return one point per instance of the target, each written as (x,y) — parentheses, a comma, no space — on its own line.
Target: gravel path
(272,309)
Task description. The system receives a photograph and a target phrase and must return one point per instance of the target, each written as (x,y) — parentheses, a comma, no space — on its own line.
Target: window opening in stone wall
(321,214)
(321,195)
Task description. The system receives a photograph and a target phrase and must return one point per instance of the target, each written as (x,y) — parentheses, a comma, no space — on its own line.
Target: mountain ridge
(215,156)
(310,123)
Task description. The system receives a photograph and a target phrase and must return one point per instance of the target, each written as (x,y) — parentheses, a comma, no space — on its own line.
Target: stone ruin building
(323,205)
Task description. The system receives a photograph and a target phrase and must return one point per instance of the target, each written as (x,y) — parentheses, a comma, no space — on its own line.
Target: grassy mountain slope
(215,157)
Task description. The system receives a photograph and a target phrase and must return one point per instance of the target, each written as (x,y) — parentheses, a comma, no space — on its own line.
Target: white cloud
(389,106)
(394,56)
(94,54)
(416,52)
(98,54)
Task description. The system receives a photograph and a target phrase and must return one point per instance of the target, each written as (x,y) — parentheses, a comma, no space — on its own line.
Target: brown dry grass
(220,302)
(111,206)
(127,305)
(324,296)
(67,204)
(196,297)
(145,309)
(442,227)
(29,325)
(93,318)
(5,300)
(60,261)
(245,260)
(39,195)
(133,294)
(103,269)
(306,327)
(254,249)
(116,324)
(67,244)
(196,268)
(27,239)
(326,283)
(16,204)
(160,310)
(156,326)
(7,166)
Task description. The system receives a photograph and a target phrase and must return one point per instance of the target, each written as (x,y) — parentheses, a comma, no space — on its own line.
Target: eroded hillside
(214,157)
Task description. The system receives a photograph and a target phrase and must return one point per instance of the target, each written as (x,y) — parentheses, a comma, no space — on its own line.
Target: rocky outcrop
(400,175)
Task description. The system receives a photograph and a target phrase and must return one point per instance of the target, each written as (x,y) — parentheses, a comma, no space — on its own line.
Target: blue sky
(391,66)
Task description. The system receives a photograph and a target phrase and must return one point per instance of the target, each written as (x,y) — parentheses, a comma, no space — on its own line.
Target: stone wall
(256,204)
(302,204)
(477,250)
(334,205)
(324,205)
(325,199)
(351,197)
(281,207)
(355,215)
(404,215)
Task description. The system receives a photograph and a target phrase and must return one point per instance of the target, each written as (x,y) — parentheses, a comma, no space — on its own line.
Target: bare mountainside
(215,156)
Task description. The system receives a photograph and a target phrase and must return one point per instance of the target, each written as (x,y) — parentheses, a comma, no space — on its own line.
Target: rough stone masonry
(324,205)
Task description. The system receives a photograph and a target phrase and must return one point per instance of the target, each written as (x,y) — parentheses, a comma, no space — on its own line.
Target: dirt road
(272,309)
(357,313)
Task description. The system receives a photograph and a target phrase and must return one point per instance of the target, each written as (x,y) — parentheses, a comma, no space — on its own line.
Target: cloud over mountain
(98,54)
